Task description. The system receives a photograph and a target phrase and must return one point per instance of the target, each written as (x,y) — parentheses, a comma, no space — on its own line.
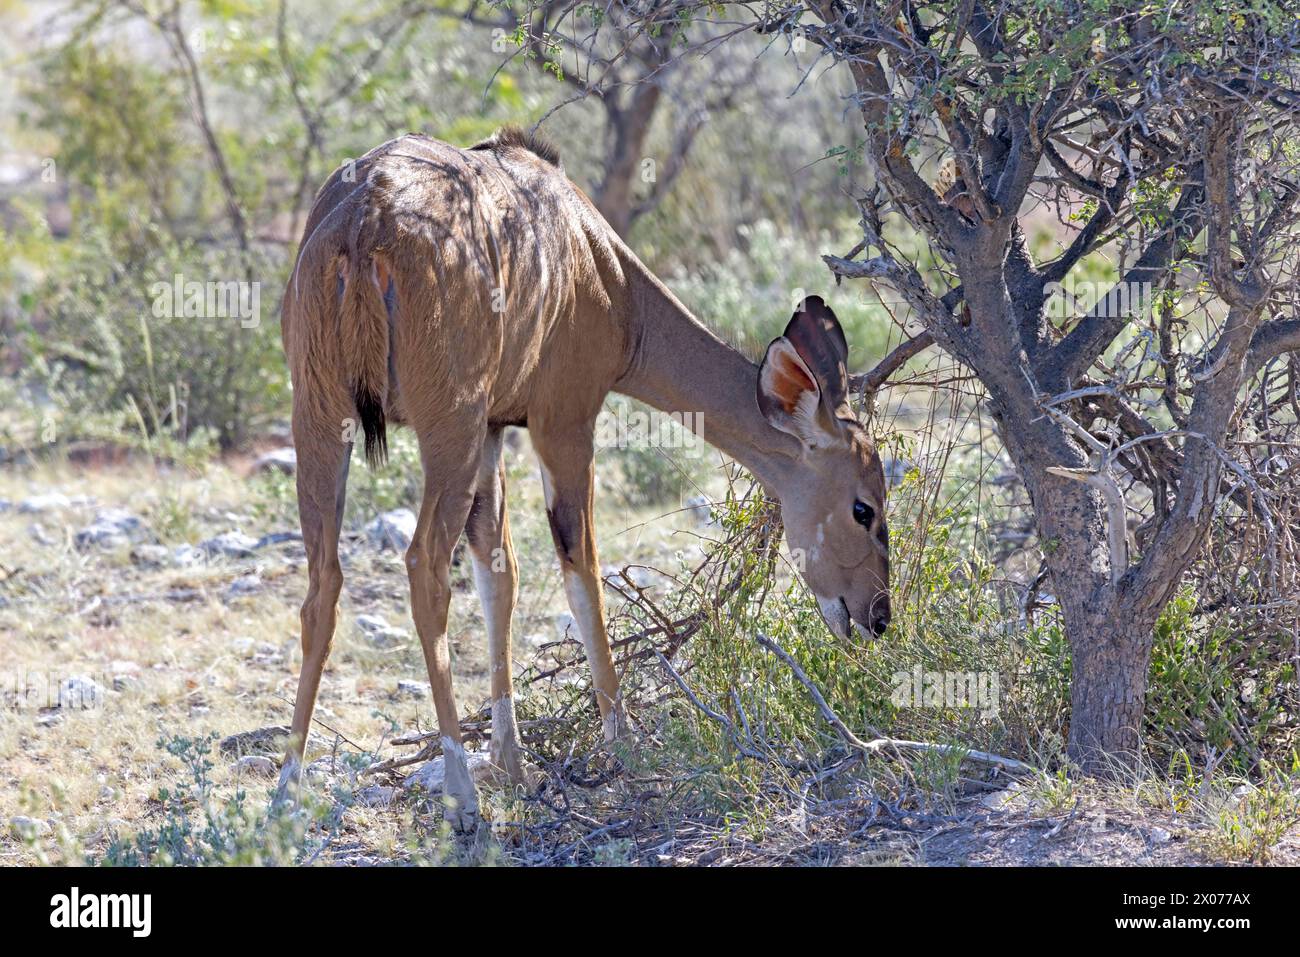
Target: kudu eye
(863,513)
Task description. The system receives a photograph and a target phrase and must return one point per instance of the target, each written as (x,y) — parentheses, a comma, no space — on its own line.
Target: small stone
(270,740)
(644,577)
(999,800)
(124,673)
(229,545)
(379,633)
(392,530)
(243,586)
(150,556)
(431,775)
(80,691)
(278,538)
(39,534)
(1159,835)
(39,504)
(257,765)
(283,460)
(377,795)
(112,528)
(28,828)
(324,769)
(183,556)
(700,509)
(413,689)
(1249,689)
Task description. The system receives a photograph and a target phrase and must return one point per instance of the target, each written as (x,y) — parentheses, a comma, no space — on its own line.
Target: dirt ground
(168,636)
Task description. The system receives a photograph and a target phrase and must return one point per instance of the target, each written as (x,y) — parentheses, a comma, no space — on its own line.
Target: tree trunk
(629,126)
(1110,653)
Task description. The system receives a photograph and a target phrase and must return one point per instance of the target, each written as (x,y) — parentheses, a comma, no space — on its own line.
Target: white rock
(369,623)
(380,633)
(1249,689)
(112,528)
(257,765)
(567,627)
(150,556)
(125,674)
(44,503)
(700,509)
(392,530)
(414,689)
(1159,835)
(243,585)
(39,535)
(324,769)
(644,577)
(377,795)
(230,544)
(28,828)
(997,800)
(277,460)
(80,691)
(183,556)
(433,773)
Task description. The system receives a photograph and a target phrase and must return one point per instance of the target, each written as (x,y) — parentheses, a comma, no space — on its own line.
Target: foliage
(197,829)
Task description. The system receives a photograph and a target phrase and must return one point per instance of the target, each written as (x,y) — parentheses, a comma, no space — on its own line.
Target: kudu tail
(367,298)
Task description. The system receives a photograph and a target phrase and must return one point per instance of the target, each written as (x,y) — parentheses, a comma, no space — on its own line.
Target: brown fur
(460,291)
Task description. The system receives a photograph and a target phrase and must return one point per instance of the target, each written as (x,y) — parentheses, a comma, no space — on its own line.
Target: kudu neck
(680,367)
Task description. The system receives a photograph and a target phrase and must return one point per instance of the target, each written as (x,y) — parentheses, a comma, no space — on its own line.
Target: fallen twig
(881,742)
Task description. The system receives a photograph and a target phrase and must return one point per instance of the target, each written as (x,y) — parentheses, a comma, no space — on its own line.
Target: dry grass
(182,656)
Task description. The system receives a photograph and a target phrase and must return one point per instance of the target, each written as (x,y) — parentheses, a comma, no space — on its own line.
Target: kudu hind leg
(496,578)
(322,475)
(448,494)
(569,478)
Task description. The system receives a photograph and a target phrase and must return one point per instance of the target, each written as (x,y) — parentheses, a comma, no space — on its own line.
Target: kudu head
(833,496)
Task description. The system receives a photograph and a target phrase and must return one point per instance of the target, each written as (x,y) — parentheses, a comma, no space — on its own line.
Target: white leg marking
(459,786)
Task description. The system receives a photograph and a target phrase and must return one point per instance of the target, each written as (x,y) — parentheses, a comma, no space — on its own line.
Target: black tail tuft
(371,410)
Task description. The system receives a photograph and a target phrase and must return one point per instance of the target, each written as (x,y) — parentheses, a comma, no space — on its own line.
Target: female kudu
(460,291)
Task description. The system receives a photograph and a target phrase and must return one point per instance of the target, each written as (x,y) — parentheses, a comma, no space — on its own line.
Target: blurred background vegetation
(145,140)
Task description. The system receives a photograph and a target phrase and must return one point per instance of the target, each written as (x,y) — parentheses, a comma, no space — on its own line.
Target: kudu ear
(817,336)
(803,380)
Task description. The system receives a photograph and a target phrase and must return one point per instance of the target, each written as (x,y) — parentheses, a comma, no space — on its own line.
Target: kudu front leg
(568,479)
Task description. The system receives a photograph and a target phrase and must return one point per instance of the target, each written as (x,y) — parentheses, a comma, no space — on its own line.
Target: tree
(1167,142)
(639,61)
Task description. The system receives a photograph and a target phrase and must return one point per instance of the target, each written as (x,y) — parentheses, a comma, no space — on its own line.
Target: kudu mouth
(835,612)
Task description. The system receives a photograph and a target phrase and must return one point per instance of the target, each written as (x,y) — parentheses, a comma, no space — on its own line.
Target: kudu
(461,291)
